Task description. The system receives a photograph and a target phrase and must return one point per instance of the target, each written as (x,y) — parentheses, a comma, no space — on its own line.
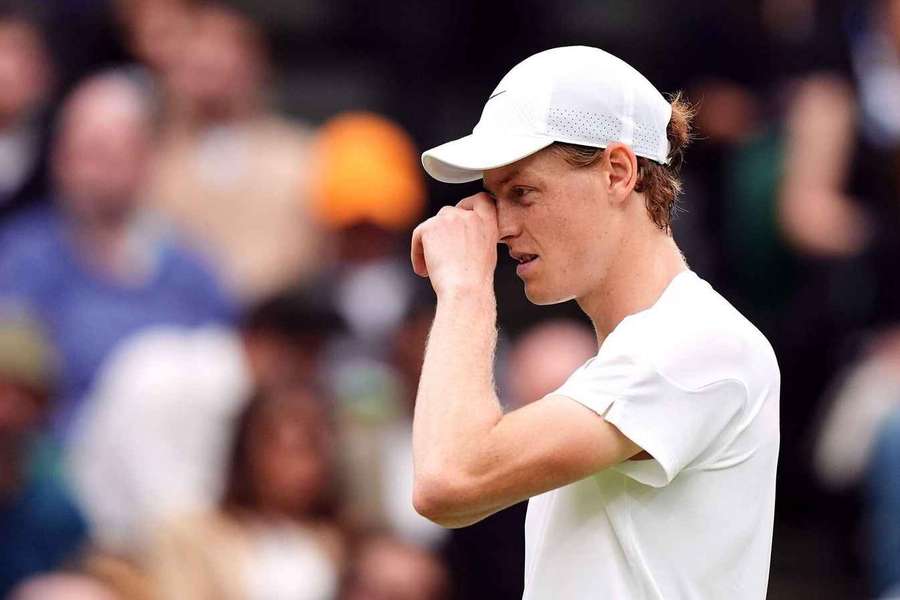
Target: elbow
(441,499)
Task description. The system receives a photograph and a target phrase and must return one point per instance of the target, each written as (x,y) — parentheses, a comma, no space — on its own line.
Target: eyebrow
(509,177)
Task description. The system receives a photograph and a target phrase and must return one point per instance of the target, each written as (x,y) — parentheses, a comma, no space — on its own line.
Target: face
(220,68)
(545,356)
(24,69)
(158,30)
(102,154)
(563,222)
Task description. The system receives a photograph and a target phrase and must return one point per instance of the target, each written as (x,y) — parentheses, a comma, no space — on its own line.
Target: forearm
(456,405)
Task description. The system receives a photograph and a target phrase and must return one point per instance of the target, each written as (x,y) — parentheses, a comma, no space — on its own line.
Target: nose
(508,226)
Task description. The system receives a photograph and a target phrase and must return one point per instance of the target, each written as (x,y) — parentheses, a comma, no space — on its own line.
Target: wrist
(480,297)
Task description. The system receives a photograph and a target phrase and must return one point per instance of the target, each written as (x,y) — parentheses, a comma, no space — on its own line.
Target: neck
(637,277)
(104,245)
(98,233)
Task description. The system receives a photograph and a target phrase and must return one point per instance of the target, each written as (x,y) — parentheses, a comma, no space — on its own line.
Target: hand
(457,248)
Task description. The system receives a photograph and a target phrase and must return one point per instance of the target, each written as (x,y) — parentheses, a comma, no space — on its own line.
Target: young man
(651,471)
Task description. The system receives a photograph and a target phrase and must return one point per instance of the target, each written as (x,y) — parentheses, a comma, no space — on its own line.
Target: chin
(544,297)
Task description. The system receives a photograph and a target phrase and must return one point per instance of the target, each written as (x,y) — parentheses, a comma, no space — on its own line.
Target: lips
(526,262)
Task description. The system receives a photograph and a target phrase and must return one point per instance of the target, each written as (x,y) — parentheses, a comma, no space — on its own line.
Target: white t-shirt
(696,385)
(152,439)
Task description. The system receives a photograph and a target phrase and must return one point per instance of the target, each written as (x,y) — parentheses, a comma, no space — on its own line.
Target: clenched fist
(457,248)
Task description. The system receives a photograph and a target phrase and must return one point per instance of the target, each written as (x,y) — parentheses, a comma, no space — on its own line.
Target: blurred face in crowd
(545,356)
(388,569)
(289,454)
(102,151)
(157,30)
(220,69)
(24,70)
(562,220)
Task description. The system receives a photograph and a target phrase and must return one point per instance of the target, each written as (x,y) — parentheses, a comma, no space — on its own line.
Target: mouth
(523,258)
(526,262)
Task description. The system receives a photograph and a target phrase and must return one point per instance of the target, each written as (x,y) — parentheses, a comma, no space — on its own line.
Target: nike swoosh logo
(497,94)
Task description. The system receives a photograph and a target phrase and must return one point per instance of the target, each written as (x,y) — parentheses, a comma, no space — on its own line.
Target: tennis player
(651,471)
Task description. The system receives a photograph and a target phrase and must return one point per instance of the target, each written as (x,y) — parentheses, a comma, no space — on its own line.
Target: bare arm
(815,213)
(471,460)
(456,405)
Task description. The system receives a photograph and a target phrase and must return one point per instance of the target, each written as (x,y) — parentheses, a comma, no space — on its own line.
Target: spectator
(859,445)
(94,267)
(232,172)
(271,536)
(153,437)
(375,407)
(367,189)
(544,356)
(838,209)
(838,202)
(385,568)
(156,31)
(26,76)
(40,527)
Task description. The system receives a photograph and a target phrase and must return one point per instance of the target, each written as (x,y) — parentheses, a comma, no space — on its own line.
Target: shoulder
(36,230)
(33,256)
(695,338)
(149,373)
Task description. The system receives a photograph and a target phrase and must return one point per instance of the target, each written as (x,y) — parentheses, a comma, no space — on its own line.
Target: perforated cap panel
(575,94)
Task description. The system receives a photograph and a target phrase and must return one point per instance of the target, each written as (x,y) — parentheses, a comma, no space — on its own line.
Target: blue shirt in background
(88,313)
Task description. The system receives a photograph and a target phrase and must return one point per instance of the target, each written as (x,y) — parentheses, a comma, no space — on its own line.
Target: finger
(417,253)
(482,204)
(485,207)
(467,203)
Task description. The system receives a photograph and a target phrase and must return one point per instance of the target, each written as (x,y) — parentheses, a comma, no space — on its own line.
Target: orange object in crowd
(367,171)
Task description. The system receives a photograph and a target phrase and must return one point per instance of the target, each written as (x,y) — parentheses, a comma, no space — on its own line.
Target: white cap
(576,94)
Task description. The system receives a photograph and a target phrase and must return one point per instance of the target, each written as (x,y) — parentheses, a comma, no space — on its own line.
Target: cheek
(572,238)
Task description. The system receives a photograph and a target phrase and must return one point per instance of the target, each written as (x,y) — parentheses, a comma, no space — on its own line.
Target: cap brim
(468,157)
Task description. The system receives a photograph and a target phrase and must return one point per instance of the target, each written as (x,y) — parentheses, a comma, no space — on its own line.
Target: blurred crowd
(210,334)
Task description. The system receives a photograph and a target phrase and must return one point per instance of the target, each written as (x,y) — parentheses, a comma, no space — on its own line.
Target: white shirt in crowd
(152,440)
(696,385)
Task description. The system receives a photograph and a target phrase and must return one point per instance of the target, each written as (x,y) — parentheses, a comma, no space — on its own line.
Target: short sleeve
(678,427)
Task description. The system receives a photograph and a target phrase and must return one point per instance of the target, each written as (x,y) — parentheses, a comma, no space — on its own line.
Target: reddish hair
(660,183)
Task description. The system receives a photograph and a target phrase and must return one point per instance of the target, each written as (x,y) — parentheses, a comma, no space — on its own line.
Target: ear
(621,163)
